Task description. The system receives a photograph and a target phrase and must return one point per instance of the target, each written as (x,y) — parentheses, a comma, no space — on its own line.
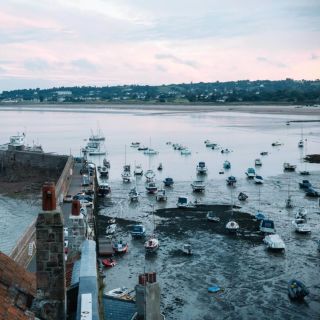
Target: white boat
(211,216)
(183,202)
(161,195)
(138,171)
(150,152)
(111,229)
(198,186)
(251,173)
(301,226)
(103,189)
(274,242)
(150,175)
(152,244)
(258,179)
(120,293)
(232,226)
(231,181)
(185,152)
(257,162)
(201,168)
(276,144)
(126,174)
(187,249)
(104,172)
(134,194)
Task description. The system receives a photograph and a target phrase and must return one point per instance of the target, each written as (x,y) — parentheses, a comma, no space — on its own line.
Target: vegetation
(263,91)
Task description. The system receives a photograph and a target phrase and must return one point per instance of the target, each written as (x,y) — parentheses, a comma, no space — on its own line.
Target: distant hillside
(244,91)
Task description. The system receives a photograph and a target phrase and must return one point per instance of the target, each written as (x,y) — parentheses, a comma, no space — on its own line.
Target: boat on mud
(231,181)
(297,290)
(301,226)
(198,186)
(242,196)
(120,247)
(258,162)
(258,179)
(109,262)
(251,173)
(138,171)
(183,202)
(232,226)
(134,194)
(274,242)
(168,182)
(211,216)
(161,195)
(138,231)
(152,244)
(227,165)
(151,188)
(267,226)
(289,167)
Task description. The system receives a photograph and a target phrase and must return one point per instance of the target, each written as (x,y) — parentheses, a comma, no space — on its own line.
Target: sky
(46,43)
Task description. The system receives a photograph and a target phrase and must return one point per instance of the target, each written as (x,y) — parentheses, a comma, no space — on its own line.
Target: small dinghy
(109,262)
(297,290)
(211,216)
(215,288)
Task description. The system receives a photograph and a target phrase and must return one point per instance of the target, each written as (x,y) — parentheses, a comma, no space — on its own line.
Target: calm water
(254,280)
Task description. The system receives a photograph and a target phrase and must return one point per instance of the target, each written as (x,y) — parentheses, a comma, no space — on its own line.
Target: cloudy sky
(46,43)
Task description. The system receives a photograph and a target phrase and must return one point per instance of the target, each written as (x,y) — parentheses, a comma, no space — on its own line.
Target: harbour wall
(14,163)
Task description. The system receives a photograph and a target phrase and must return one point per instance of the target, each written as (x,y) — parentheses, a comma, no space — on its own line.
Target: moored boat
(120,247)
(168,182)
(103,189)
(227,165)
(258,162)
(300,226)
(182,202)
(150,175)
(198,186)
(267,226)
(297,290)
(152,244)
(232,226)
(187,249)
(211,216)
(231,181)
(201,168)
(138,231)
(251,173)
(134,194)
(258,179)
(151,187)
(289,167)
(109,262)
(138,171)
(242,196)
(274,242)
(161,195)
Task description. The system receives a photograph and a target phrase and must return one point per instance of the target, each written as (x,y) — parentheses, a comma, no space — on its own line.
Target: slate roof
(17,290)
(117,309)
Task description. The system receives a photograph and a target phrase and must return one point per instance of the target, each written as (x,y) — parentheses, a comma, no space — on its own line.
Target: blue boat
(231,181)
(138,231)
(168,182)
(267,226)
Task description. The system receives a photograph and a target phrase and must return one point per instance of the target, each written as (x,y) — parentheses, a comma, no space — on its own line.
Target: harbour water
(254,280)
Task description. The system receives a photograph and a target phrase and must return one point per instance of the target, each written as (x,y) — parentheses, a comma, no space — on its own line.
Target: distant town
(287,91)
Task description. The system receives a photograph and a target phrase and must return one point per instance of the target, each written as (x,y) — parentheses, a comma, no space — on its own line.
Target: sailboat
(152,244)
(232,226)
(300,143)
(126,173)
(304,172)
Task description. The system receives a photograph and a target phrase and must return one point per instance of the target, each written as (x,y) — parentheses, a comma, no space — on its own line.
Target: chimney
(75,208)
(49,202)
(51,291)
(148,297)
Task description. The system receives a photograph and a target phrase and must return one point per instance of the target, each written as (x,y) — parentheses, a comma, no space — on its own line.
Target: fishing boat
(161,195)
(160,166)
(258,162)
(198,186)
(138,231)
(151,187)
(297,290)
(104,172)
(267,226)
(138,171)
(251,173)
(227,165)
(186,249)
(120,247)
(211,216)
(103,189)
(231,181)
(300,226)
(201,168)
(168,182)
(134,194)
(182,202)
(109,262)
(289,167)
(274,242)
(258,179)
(150,175)
(242,196)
